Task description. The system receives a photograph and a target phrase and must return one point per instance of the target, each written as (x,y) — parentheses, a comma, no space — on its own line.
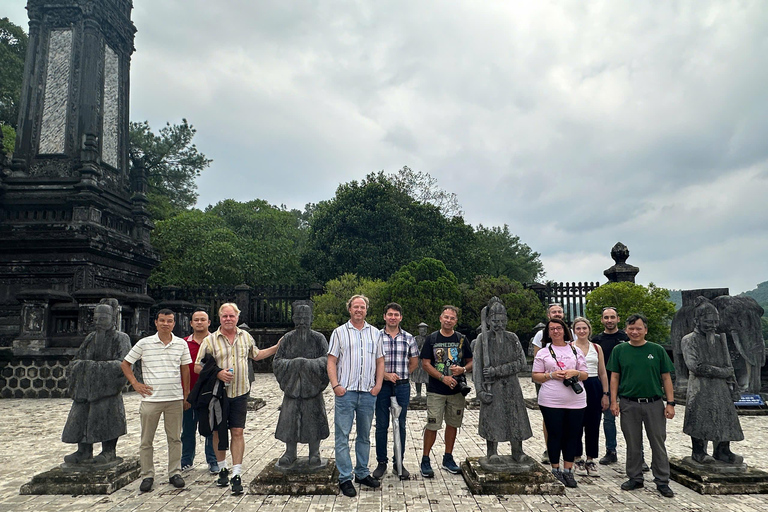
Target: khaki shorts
(449,406)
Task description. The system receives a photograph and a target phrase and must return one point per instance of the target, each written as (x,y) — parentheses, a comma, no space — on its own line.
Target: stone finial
(621,271)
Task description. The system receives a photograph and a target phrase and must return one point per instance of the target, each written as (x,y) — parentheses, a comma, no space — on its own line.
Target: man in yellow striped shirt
(232,347)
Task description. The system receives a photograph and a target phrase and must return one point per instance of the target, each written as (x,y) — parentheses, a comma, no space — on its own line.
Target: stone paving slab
(31,434)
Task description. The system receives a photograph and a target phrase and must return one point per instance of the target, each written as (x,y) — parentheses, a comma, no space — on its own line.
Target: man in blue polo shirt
(401,357)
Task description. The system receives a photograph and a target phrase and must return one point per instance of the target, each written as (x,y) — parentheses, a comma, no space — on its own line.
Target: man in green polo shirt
(640,381)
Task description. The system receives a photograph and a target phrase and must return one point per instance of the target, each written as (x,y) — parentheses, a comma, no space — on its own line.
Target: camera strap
(552,353)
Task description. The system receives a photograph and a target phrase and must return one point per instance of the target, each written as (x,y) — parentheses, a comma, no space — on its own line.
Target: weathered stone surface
(272,480)
(538,480)
(105,481)
(710,479)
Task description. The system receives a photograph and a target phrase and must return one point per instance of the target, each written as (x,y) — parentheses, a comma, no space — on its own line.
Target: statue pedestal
(65,479)
(299,481)
(533,479)
(718,478)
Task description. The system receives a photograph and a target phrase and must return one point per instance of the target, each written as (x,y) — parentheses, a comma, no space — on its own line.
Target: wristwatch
(605,393)
(672,403)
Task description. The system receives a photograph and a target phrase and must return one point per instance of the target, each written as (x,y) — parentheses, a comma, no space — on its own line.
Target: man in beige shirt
(232,347)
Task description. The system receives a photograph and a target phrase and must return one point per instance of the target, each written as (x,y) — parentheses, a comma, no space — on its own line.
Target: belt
(400,382)
(642,400)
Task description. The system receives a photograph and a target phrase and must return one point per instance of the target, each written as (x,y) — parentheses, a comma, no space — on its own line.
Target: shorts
(238,407)
(449,406)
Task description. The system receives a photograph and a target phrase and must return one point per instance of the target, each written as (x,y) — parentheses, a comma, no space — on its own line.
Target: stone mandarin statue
(710,414)
(499,356)
(96,382)
(300,368)
(419,376)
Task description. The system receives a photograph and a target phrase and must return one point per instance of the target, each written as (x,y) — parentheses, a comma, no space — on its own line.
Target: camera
(574,384)
(461,380)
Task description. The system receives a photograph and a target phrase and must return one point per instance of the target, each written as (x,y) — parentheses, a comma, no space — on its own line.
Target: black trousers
(564,427)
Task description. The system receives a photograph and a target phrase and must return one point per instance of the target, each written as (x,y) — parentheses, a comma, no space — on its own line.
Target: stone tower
(74,226)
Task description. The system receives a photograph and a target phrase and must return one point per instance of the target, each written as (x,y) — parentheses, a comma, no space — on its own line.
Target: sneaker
(569,480)
(559,475)
(177,481)
(665,491)
(591,468)
(645,467)
(223,480)
(380,470)
(610,458)
(186,467)
(406,474)
(237,485)
(213,467)
(579,467)
(426,468)
(368,481)
(545,457)
(348,489)
(146,484)
(450,465)
(631,485)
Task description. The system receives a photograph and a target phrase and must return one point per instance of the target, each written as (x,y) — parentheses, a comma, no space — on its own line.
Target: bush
(331,306)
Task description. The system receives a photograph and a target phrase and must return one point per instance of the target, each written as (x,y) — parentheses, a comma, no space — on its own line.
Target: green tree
(524,309)
(13,51)
(331,306)
(9,139)
(228,244)
(630,298)
(422,187)
(498,252)
(172,163)
(371,228)
(422,288)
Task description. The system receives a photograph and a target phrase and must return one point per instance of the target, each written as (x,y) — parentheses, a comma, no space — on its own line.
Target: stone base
(93,481)
(254,404)
(532,403)
(272,480)
(718,478)
(537,480)
(418,403)
(473,404)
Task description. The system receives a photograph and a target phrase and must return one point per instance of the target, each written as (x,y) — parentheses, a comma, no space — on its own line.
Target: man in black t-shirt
(607,340)
(446,357)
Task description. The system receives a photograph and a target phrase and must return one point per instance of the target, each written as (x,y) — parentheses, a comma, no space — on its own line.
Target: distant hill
(760,294)
(676,296)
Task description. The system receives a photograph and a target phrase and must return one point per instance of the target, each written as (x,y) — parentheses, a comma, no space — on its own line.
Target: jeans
(353,403)
(189,438)
(383,402)
(609,429)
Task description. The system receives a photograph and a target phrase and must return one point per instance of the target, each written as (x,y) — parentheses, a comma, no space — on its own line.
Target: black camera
(461,380)
(574,384)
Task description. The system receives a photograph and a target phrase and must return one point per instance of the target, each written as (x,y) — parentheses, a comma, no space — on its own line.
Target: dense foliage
(331,306)
(524,309)
(630,298)
(13,51)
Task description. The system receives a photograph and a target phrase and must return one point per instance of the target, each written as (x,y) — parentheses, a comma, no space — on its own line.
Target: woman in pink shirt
(559,367)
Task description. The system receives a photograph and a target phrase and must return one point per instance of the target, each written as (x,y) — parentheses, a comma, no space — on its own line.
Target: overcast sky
(579,124)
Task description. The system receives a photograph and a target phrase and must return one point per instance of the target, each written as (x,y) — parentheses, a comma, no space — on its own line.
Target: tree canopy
(630,298)
(230,243)
(422,187)
(13,52)
(172,163)
(331,306)
(497,252)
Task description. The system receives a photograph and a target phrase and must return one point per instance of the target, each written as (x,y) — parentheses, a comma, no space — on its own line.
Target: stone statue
(96,383)
(498,356)
(712,388)
(300,369)
(419,376)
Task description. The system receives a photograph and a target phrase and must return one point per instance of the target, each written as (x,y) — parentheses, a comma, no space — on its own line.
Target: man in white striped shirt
(356,373)
(165,370)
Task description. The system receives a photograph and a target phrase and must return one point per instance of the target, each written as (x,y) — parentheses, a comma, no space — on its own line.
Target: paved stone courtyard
(31,431)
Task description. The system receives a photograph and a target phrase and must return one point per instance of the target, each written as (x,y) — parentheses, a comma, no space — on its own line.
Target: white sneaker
(579,467)
(591,468)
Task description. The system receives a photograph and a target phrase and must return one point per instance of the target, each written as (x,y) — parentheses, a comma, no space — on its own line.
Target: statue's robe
(300,367)
(96,382)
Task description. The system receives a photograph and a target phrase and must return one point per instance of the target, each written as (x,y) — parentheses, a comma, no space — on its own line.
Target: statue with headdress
(419,376)
(710,414)
(96,382)
(300,369)
(498,357)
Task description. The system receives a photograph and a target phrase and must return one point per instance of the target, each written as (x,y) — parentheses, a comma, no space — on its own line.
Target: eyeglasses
(609,307)
(555,329)
(552,304)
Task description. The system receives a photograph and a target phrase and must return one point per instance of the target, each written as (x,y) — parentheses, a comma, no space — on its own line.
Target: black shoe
(665,491)
(610,458)
(645,467)
(146,484)
(426,468)
(405,476)
(348,489)
(237,485)
(177,481)
(631,485)
(569,480)
(368,481)
(223,480)
(380,470)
